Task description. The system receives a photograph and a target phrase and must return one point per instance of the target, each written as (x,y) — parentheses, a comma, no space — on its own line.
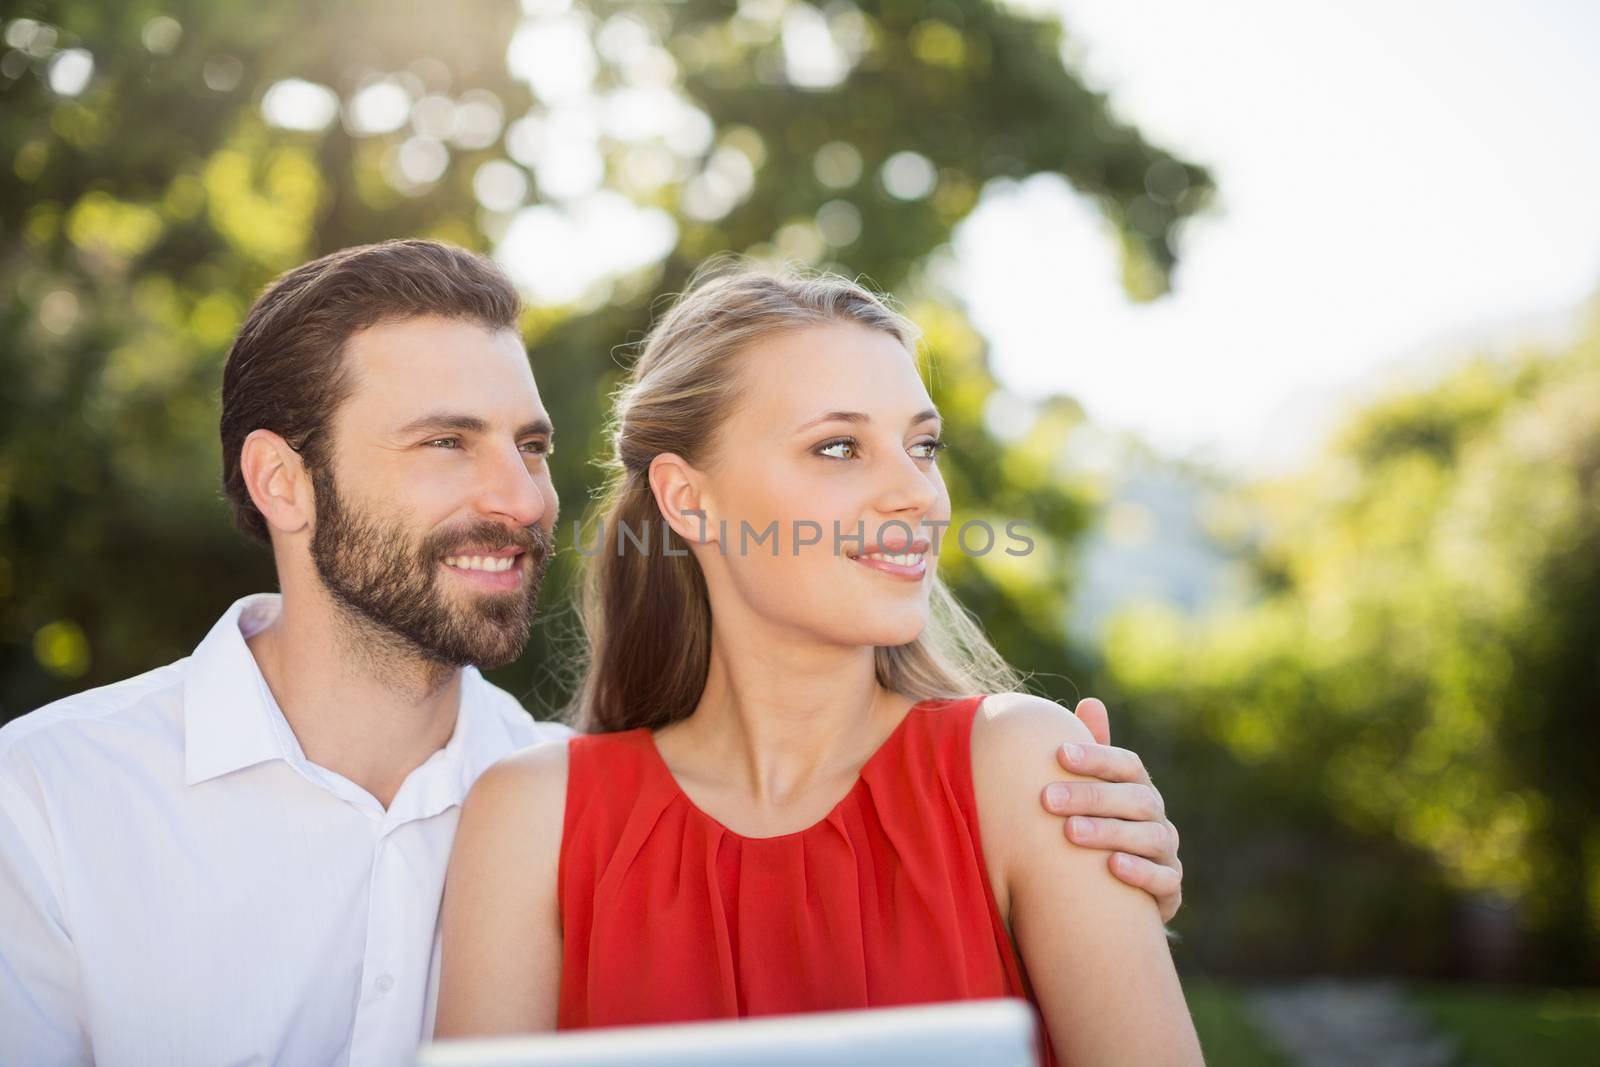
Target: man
(238,857)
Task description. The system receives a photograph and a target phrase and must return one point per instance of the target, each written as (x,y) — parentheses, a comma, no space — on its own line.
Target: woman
(809,781)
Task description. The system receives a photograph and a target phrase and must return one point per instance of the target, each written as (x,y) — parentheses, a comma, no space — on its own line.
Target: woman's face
(832,431)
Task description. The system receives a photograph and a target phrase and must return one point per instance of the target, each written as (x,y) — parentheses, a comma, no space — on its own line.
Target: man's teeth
(910,559)
(481,563)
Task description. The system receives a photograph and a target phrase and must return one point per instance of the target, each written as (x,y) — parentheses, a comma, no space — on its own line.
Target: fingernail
(1059,794)
(1074,753)
(1082,827)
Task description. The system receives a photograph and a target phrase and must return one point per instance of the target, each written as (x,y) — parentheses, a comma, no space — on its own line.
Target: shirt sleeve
(41,1002)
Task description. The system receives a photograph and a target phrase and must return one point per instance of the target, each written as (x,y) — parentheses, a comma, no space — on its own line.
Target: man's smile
(489,570)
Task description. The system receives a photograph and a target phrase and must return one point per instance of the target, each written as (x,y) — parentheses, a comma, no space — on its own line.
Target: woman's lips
(906,571)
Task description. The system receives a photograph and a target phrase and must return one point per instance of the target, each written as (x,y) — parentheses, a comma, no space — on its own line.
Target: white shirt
(180,885)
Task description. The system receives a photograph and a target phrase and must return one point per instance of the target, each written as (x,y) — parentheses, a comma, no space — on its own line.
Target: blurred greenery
(1227,1033)
(1508,1027)
(1421,670)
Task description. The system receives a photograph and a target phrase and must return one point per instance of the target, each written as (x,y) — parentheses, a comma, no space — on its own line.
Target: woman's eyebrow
(860,417)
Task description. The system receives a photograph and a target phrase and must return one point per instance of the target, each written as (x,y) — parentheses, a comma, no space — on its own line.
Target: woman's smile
(909,565)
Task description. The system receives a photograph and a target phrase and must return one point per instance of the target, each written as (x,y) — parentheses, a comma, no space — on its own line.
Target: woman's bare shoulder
(1012,725)
(528,767)
(519,799)
(500,918)
(1014,740)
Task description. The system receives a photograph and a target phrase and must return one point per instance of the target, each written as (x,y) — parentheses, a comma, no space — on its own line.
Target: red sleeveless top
(669,916)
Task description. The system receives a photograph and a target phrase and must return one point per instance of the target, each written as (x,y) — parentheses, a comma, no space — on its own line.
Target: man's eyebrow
(860,417)
(440,421)
(445,421)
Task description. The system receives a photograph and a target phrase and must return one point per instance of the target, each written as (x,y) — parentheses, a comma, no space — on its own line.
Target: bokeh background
(1278,326)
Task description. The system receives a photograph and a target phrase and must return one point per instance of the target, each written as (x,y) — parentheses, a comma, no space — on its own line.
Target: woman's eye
(844,444)
(930,448)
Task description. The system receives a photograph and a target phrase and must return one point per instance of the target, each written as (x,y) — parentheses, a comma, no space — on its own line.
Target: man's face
(434,518)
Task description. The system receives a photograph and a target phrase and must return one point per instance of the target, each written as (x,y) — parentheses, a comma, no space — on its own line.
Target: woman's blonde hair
(646,614)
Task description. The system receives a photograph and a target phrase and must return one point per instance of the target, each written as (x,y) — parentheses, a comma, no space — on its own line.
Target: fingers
(1156,841)
(1163,883)
(1091,711)
(1114,800)
(1103,761)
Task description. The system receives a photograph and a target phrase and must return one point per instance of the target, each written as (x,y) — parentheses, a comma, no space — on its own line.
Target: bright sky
(1393,177)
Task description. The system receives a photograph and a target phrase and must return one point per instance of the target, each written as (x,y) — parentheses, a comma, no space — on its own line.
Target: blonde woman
(808,781)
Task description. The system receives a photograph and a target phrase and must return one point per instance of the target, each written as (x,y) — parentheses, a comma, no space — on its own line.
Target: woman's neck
(781,715)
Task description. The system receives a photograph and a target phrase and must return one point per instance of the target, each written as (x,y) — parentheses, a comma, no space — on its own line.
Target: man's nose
(510,490)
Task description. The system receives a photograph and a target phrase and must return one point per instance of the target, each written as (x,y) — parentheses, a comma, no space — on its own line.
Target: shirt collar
(231,721)
(227,724)
(481,736)
(442,780)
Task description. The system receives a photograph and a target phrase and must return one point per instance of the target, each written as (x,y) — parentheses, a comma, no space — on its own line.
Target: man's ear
(278,482)
(681,498)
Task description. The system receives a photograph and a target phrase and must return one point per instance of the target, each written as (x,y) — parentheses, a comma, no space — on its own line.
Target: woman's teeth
(481,563)
(910,559)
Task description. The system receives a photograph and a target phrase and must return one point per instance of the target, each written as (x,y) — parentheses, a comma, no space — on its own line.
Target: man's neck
(359,705)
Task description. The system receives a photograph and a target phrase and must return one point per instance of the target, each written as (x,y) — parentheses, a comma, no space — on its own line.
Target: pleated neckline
(657,761)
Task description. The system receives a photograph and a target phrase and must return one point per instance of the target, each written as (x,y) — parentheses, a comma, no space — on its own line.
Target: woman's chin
(886,632)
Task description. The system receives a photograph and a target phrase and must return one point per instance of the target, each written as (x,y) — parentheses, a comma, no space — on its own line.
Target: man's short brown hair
(285,372)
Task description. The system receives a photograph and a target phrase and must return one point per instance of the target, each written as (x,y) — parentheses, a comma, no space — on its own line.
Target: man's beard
(381,578)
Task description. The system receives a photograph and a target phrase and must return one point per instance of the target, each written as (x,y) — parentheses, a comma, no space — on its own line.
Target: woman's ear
(278,482)
(681,498)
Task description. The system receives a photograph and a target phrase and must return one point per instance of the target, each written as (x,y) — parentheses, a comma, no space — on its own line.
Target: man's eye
(845,444)
(444,443)
(538,448)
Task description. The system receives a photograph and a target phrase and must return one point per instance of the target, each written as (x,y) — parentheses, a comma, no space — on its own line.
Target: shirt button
(384,983)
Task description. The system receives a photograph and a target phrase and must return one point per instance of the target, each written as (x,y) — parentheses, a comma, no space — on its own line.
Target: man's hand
(1122,813)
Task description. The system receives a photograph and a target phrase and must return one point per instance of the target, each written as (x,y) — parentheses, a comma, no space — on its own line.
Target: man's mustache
(490,537)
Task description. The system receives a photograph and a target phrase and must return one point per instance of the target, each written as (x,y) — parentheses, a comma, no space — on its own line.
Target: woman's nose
(911,491)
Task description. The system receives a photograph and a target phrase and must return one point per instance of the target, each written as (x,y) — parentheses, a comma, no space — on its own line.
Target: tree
(154,183)
(1423,655)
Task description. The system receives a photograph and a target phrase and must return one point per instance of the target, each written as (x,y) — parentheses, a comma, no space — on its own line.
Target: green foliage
(1227,1033)
(1424,660)
(140,216)
(1509,1028)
